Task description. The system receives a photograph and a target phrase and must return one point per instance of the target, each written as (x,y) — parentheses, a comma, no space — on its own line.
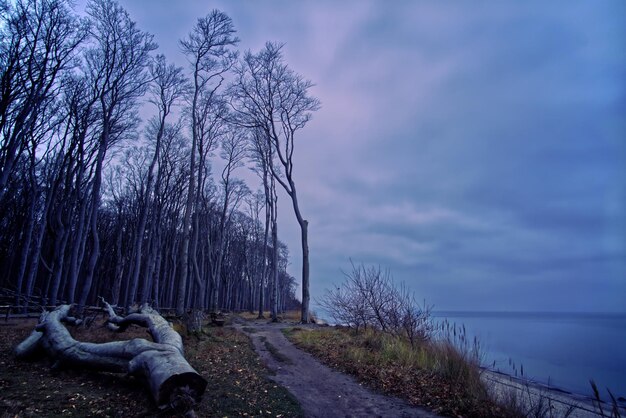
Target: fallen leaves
(237,381)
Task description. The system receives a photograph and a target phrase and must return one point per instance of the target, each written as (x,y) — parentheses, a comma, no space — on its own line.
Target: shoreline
(533,394)
(561,350)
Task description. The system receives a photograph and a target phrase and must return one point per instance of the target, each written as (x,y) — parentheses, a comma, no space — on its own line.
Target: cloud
(477,150)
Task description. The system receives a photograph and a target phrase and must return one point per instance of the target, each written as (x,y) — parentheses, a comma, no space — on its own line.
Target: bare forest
(121,172)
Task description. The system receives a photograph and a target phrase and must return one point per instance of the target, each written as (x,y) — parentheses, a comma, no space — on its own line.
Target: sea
(562,350)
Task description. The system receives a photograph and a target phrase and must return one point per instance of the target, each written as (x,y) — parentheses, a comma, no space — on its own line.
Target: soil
(237,381)
(321,391)
(34,389)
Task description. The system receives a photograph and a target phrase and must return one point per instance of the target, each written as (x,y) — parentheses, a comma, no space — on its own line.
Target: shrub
(369,298)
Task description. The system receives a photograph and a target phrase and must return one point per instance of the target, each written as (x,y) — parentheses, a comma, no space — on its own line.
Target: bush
(369,298)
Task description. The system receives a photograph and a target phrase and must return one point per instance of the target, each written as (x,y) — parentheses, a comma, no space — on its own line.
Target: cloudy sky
(476,149)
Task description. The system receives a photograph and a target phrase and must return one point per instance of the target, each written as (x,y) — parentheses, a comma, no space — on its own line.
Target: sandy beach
(537,396)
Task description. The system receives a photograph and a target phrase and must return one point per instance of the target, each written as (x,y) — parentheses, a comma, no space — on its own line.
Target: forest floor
(321,391)
(238,383)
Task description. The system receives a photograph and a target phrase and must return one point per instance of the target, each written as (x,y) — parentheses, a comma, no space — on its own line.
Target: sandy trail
(321,391)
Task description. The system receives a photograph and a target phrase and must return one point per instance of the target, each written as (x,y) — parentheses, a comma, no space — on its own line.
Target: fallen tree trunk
(173,382)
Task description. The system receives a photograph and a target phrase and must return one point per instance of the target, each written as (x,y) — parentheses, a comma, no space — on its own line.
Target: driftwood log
(173,382)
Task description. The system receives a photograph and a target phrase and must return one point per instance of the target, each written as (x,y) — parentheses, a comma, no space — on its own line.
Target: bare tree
(233,191)
(167,88)
(209,50)
(211,129)
(370,298)
(269,96)
(38,41)
(262,154)
(80,102)
(88,208)
(256,203)
(117,70)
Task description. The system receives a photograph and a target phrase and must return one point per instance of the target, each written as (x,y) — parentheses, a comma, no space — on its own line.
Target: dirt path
(321,391)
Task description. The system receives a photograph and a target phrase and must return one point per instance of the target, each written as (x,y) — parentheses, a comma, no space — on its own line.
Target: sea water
(563,350)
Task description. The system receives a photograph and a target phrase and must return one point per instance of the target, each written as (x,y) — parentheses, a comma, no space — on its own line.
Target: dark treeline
(96,201)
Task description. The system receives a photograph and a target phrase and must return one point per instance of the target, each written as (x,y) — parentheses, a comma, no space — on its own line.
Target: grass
(434,374)
(525,403)
(288,316)
(254,315)
(443,374)
(613,409)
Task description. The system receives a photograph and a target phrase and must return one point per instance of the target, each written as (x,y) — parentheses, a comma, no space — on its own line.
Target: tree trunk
(143,219)
(26,247)
(304,225)
(173,382)
(274,286)
(156,270)
(77,250)
(119,265)
(60,244)
(184,249)
(135,267)
(95,238)
(304,232)
(80,238)
(34,263)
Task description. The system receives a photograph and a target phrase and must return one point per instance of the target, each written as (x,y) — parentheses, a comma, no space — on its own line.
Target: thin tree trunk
(199,289)
(34,259)
(60,244)
(26,248)
(80,239)
(77,251)
(143,218)
(95,239)
(184,248)
(135,269)
(304,225)
(264,272)
(156,283)
(119,264)
(274,287)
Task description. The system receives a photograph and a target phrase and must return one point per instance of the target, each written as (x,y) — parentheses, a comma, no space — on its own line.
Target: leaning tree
(209,50)
(269,96)
(117,68)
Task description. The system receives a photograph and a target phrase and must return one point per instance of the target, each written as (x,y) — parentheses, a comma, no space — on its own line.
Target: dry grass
(435,374)
(443,373)
(289,316)
(250,316)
